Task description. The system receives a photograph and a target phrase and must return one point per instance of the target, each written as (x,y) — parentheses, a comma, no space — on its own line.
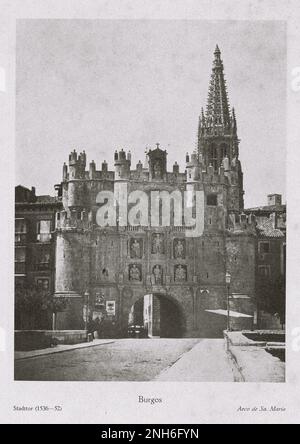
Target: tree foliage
(33,306)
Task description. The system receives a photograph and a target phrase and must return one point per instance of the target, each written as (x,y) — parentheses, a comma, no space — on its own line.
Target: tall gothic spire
(218,142)
(217,109)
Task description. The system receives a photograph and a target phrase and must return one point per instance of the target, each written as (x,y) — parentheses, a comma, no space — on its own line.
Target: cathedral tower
(218,143)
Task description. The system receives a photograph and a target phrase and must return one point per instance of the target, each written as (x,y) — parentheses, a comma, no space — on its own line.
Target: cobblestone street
(123,360)
(129,360)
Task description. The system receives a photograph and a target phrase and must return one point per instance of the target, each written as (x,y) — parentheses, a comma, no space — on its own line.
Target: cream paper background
(117,402)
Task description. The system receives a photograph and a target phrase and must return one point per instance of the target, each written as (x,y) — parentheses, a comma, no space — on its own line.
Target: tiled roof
(39,200)
(266,229)
(267,208)
(46,199)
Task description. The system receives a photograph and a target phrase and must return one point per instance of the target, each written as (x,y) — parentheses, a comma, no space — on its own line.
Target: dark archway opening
(158,315)
(171,319)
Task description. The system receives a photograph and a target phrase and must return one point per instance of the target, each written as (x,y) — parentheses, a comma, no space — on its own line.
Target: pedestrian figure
(90,326)
(97,328)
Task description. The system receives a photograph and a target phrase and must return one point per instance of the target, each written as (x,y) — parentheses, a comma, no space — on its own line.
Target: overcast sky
(99,85)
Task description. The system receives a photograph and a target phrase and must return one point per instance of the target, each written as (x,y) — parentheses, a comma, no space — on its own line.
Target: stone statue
(104,274)
(100,298)
(134,273)
(157,273)
(179,249)
(180,274)
(157,169)
(135,249)
(157,244)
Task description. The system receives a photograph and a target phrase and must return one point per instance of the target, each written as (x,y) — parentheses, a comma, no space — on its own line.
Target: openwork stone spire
(218,142)
(217,110)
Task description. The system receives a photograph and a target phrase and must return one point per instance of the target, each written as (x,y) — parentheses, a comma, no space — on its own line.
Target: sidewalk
(252,359)
(206,362)
(60,348)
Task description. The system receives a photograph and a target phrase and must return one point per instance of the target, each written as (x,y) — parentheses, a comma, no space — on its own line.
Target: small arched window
(213,156)
(224,150)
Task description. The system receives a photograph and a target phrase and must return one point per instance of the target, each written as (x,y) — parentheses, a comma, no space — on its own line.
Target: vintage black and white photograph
(150,200)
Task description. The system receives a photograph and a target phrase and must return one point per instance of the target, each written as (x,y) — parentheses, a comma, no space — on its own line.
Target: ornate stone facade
(124,262)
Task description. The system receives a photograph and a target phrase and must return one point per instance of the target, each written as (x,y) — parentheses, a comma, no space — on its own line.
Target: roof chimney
(274,199)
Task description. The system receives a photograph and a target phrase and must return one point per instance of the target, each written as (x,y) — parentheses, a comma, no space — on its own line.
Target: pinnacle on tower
(217,109)
(233,118)
(202,118)
(217,54)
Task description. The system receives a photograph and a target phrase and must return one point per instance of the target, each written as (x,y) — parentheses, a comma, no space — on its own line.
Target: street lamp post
(228,280)
(87,308)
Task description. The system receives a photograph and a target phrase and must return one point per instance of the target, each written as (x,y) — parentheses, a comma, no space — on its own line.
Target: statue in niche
(135,249)
(157,274)
(157,244)
(100,300)
(103,274)
(180,273)
(179,249)
(157,171)
(134,273)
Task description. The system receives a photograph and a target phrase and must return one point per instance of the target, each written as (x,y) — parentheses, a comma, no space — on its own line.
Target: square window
(42,259)
(20,260)
(20,254)
(20,231)
(264,247)
(264,271)
(20,226)
(44,230)
(212,200)
(43,284)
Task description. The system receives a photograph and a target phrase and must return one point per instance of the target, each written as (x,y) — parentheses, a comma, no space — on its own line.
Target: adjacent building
(34,254)
(270,261)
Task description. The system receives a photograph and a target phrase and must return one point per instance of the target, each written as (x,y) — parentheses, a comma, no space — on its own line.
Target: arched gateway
(160,315)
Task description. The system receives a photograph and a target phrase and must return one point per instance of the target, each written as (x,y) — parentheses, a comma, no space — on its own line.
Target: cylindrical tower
(71,277)
(122,165)
(192,168)
(92,170)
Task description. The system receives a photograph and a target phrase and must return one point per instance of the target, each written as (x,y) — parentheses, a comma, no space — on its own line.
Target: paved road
(132,360)
(207,361)
(123,360)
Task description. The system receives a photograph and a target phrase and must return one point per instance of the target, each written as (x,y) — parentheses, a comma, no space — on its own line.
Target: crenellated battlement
(73,220)
(122,156)
(77,164)
(79,189)
(75,170)
(79,159)
(73,157)
(197,171)
(209,175)
(241,222)
(122,162)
